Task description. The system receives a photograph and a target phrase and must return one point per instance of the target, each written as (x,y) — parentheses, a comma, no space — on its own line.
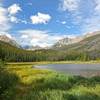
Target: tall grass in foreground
(7,82)
(61,87)
(35,84)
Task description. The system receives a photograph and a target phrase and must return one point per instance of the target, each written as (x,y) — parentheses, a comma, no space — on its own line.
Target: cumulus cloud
(4,20)
(13,9)
(38,37)
(5,25)
(40,18)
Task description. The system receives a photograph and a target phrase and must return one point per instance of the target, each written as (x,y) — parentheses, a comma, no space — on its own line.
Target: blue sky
(43,22)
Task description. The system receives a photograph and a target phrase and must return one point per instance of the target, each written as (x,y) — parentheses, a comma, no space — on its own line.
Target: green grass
(36,84)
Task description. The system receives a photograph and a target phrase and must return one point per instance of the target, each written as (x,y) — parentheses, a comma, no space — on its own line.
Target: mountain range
(84,49)
(87,42)
(70,41)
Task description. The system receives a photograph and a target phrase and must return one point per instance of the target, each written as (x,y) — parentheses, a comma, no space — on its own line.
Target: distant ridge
(9,40)
(70,41)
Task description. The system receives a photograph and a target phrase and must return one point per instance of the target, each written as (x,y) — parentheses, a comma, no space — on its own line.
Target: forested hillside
(14,54)
(11,53)
(89,45)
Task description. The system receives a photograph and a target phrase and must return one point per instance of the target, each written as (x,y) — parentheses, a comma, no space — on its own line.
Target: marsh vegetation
(22,82)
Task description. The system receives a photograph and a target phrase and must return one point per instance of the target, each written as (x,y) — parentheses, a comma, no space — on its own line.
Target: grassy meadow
(22,82)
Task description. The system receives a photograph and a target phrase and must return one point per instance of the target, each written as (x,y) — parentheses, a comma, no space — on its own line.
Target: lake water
(74,69)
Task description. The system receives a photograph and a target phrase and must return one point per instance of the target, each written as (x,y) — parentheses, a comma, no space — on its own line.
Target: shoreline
(55,62)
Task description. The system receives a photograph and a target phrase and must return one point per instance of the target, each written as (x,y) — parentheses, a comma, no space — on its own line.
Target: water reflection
(74,69)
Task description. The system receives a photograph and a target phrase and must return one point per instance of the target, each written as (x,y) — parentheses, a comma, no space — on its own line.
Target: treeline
(14,54)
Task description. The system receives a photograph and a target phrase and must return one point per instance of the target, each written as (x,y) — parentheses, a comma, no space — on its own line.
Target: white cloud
(16,20)
(13,9)
(97,7)
(91,24)
(40,18)
(4,20)
(24,21)
(24,36)
(5,25)
(85,14)
(69,5)
(34,34)
(38,37)
(13,19)
(63,22)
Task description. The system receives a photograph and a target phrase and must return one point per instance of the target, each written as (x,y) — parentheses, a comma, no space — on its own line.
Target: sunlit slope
(88,44)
